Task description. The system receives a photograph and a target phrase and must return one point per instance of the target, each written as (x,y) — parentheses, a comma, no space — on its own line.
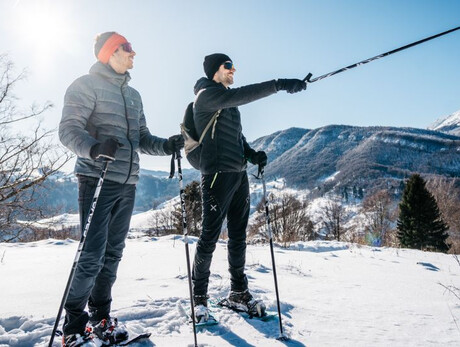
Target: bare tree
(26,160)
(333,218)
(447,195)
(163,221)
(193,210)
(290,221)
(288,216)
(379,217)
(193,207)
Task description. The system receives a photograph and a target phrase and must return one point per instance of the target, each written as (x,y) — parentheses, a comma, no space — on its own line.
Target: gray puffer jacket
(227,150)
(99,106)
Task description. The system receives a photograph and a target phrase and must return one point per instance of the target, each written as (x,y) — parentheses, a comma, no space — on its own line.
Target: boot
(200,303)
(109,330)
(244,301)
(78,340)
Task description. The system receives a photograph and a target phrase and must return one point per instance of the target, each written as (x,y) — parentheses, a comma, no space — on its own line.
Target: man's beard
(229,80)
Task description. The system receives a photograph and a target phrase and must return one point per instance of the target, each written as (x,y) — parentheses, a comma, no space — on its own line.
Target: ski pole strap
(173,165)
(309,80)
(260,172)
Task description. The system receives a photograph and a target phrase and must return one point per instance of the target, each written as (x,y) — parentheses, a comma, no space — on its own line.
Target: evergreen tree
(420,224)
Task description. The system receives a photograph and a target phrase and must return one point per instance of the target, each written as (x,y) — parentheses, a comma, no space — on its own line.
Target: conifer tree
(420,224)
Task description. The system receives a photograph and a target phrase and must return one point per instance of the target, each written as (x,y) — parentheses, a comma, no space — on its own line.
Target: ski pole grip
(307,78)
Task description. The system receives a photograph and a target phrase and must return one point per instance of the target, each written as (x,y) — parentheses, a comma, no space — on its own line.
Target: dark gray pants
(97,267)
(224,195)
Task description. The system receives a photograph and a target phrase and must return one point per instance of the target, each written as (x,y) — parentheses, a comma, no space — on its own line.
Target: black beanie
(212,63)
(100,40)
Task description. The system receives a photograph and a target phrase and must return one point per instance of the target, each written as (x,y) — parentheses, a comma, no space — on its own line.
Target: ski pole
(282,337)
(309,80)
(185,231)
(80,248)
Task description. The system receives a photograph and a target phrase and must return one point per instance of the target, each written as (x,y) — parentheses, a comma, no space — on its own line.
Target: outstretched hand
(291,85)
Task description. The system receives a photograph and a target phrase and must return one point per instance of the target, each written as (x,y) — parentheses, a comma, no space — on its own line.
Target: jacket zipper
(127,133)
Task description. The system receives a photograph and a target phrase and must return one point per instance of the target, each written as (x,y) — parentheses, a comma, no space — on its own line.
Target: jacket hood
(106,71)
(204,82)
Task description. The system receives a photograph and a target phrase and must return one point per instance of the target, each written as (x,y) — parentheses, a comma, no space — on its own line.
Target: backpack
(192,142)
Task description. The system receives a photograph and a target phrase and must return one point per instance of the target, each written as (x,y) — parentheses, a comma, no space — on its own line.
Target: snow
(331,177)
(332,294)
(451,120)
(57,222)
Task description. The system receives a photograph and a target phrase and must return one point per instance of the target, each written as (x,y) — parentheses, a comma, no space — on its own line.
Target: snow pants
(97,267)
(223,195)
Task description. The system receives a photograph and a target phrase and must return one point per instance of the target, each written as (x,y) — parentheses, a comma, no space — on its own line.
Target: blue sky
(266,40)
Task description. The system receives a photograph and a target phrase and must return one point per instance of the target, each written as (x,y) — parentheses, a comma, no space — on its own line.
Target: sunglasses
(127,47)
(228,65)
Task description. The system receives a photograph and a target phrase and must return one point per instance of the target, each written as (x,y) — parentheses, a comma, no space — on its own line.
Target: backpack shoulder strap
(212,120)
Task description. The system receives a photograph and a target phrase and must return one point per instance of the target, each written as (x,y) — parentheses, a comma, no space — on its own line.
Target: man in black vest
(224,181)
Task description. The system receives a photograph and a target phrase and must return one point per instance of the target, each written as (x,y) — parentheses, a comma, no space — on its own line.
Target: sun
(42,26)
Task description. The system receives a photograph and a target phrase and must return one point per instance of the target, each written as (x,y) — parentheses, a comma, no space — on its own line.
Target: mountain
(449,124)
(334,157)
(346,157)
(59,193)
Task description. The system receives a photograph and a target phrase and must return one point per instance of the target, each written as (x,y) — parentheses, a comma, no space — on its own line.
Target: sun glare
(42,26)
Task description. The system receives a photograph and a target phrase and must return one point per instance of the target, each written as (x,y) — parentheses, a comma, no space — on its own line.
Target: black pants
(97,267)
(224,195)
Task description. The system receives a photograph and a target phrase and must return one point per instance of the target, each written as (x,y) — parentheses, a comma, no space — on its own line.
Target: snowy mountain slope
(332,294)
(366,157)
(279,142)
(449,124)
(332,157)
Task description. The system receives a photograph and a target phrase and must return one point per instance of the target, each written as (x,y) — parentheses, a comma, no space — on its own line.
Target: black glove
(174,143)
(290,85)
(106,150)
(258,158)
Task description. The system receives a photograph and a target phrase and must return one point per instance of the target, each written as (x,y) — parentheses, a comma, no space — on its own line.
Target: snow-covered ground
(332,294)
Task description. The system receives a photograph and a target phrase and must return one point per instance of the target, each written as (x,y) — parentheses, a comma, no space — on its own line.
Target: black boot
(244,301)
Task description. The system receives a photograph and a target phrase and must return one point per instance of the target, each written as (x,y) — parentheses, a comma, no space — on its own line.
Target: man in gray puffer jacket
(224,181)
(103,119)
